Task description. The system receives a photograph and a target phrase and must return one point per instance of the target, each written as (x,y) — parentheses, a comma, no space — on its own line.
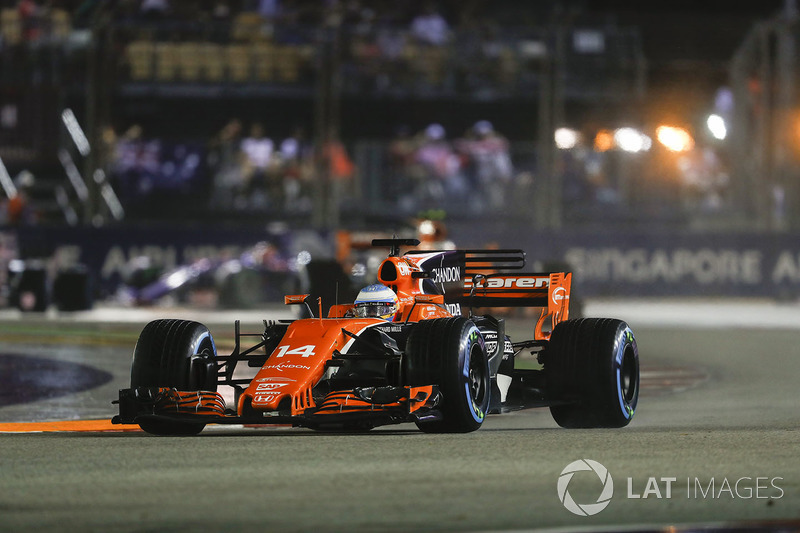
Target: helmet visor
(375,310)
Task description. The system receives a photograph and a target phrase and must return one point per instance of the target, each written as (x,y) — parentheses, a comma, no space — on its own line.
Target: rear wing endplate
(549,290)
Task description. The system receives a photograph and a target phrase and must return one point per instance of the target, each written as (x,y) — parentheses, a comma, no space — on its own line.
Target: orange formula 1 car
(421,357)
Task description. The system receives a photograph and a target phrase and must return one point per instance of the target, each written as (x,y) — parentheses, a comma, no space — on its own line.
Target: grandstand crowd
(387,51)
(248,171)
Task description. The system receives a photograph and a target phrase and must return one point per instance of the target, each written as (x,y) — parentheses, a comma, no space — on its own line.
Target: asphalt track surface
(715,442)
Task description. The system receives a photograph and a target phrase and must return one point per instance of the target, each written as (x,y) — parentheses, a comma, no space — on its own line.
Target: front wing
(358,408)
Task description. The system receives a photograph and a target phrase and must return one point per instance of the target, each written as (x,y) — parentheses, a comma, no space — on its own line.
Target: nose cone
(267,393)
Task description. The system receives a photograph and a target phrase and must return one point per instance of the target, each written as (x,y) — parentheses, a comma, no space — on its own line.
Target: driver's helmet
(376,301)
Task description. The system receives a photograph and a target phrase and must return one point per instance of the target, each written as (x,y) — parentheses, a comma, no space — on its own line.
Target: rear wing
(549,290)
(488,278)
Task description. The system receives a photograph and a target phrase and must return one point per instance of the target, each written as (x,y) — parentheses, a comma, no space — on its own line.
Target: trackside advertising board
(670,264)
(667,264)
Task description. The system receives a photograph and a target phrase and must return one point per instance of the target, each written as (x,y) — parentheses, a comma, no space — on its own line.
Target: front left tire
(177,354)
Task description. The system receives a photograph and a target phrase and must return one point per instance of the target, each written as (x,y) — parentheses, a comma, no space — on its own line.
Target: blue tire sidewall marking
(474,335)
(199,343)
(627,409)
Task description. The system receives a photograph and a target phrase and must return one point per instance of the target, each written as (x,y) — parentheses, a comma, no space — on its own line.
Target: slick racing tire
(178,354)
(592,365)
(450,353)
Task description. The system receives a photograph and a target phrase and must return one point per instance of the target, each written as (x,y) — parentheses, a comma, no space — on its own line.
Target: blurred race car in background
(259,273)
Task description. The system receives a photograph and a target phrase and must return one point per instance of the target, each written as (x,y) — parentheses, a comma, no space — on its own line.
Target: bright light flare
(632,140)
(566,138)
(603,141)
(716,125)
(304,257)
(176,279)
(675,139)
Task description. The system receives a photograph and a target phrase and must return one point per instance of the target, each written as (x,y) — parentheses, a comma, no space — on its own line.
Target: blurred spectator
(143,168)
(340,167)
(259,167)
(126,161)
(19,208)
(30,15)
(705,180)
(297,163)
(489,161)
(430,27)
(224,164)
(257,148)
(498,61)
(442,177)
(432,234)
(404,173)
(154,9)
(391,42)
(221,11)
(269,9)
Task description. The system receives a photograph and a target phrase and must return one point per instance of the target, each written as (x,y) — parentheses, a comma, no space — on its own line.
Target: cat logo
(403,268)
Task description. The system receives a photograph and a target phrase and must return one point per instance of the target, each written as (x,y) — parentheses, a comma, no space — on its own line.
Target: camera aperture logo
(594,468)
(584,474)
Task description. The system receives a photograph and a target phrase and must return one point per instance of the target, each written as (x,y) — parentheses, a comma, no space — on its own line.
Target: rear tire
(450,353)
(593,364)
(178,354)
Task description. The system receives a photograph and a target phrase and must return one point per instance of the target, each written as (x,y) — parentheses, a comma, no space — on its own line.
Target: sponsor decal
(518,283)
(559,295)
(425,312)
(454,309)
(268,387)
(288,366)
(391,328)
(490,342)
(274,379)
(265,397)
(446,274)
(403,268)
(510,282)
(705,266)
(508,347)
